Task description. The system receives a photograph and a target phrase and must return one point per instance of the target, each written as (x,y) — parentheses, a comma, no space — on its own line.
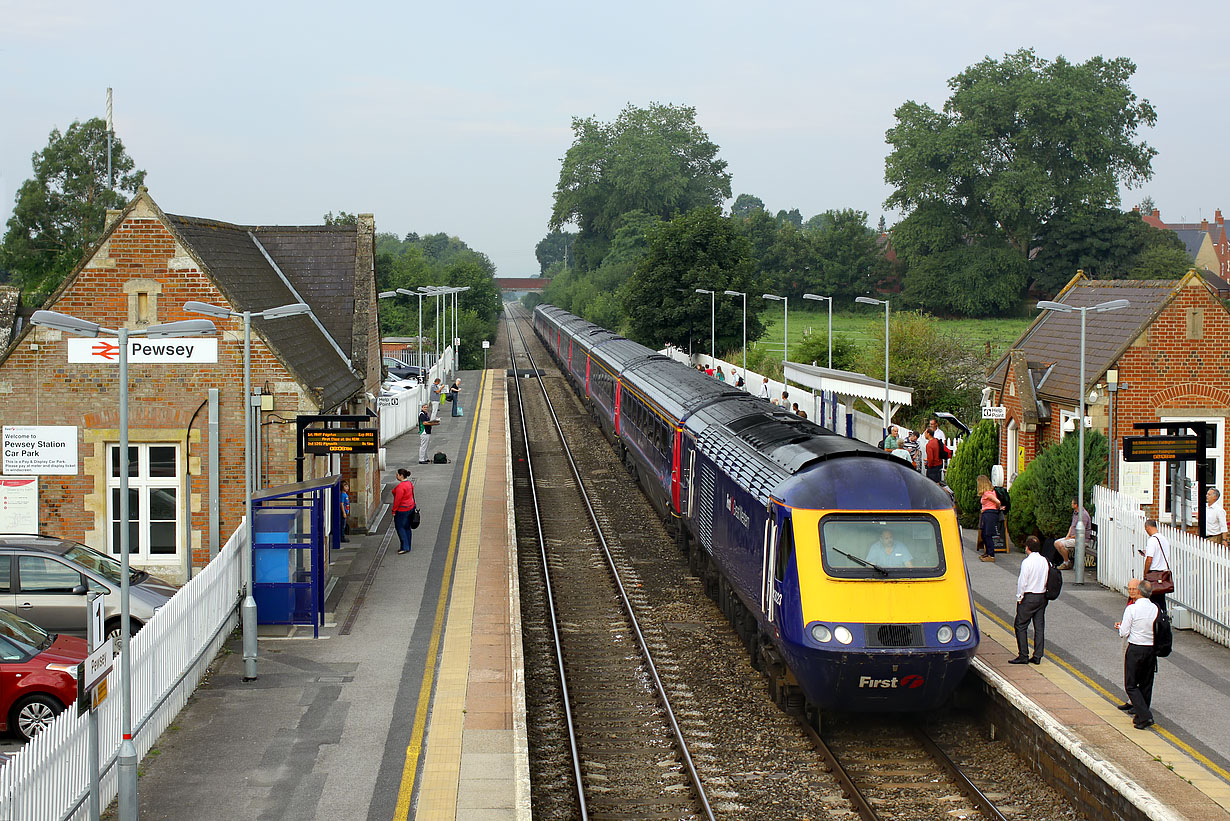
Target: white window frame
(1217,452)
(142,483)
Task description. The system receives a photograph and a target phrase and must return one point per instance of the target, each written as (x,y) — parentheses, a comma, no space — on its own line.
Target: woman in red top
(988,523)
(403,506)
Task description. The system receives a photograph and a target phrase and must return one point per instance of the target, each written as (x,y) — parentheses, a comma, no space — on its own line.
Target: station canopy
(848,384)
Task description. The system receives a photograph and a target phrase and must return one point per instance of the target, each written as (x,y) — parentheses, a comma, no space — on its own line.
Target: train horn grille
(895,635)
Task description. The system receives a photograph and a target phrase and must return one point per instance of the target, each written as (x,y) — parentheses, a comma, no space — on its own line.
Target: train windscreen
(861,547)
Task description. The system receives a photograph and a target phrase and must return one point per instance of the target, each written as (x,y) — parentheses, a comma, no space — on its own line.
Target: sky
(454,117)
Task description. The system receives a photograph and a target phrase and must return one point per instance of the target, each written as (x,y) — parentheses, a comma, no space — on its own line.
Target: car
(44,579)
(38,674)
(400,369)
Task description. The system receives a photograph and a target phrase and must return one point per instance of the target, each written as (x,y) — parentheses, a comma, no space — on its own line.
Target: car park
(401,370)
(44,579)
(38,674)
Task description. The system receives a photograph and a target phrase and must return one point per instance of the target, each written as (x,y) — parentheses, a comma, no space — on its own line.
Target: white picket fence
(1201,569)
(48,779)
(403,414)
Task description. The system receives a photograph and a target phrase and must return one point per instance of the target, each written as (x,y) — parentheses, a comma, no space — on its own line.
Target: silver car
(44,579)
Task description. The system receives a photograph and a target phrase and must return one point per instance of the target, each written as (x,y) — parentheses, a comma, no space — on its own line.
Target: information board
(40,450)
(1160,448)
(341,440)
(18,504)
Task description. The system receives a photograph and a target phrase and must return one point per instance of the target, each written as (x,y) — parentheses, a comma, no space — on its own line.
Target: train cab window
(785,550)
(859,547)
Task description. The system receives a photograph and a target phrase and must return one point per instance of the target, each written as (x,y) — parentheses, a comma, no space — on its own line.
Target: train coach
(840,565)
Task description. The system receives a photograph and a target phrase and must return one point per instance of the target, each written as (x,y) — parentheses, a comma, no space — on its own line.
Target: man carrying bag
(1157,565)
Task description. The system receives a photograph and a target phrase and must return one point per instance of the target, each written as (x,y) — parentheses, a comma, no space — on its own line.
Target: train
(840,565)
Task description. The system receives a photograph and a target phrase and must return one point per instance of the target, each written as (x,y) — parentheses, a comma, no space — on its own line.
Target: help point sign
(174,351)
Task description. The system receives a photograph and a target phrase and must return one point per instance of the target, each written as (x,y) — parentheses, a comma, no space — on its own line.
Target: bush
(973,458)
(1042,494)
(815,348)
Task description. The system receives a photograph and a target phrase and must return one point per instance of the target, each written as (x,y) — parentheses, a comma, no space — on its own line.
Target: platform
(411,704)
(1180,767)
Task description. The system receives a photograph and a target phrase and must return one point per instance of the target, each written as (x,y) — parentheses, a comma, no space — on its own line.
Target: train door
(777,555)
(618,392)
(679,481)
(588,362)
(569,356)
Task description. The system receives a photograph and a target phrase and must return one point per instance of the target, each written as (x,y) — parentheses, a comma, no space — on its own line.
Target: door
(778,555)
(45,594)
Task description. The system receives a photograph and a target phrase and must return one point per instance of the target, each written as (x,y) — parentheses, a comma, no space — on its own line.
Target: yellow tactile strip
(1172,777)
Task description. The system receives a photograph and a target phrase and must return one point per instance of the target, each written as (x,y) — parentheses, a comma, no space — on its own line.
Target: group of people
(927,454)
(1137,627)
(735,379)
(404,506)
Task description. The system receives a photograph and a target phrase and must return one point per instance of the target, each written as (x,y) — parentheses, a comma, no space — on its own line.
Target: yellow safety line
(406,792)
(1114,699)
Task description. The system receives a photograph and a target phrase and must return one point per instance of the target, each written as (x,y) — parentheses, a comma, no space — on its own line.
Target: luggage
(1054,582)
(1163,634)
(441,458)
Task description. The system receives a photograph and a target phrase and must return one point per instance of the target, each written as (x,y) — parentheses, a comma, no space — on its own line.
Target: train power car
(840,565)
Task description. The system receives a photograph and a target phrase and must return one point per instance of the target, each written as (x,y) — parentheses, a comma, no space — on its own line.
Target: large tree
(1020,141)
(60,211)
(700,249)
(1105,243)
(655,159)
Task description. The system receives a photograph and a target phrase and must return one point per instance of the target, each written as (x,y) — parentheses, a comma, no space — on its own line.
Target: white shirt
(764,390)
(1137,624)
(1214,520)
(1156,548)
(1034,571)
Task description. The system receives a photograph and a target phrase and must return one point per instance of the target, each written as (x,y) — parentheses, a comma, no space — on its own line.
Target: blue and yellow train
(840,565)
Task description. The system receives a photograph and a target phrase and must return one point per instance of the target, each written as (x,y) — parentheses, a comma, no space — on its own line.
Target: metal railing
(48,778)
(402,415)
(1201,569)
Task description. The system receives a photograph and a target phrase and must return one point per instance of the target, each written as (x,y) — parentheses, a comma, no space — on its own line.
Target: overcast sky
(453,117)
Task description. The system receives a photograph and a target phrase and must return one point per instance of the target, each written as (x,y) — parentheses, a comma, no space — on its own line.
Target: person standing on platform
(933,457)
(1139,662)
(454,397)
(764,388)
(437,396)
(403,506)
(345,500)
(1156,548)
(1031,606)
(426,423)
(988,521)
(911,445)
(721,377)
(1214,517)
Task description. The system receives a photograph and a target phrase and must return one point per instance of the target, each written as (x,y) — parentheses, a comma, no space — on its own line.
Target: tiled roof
(1054,337)
(314,262)
(1192,239)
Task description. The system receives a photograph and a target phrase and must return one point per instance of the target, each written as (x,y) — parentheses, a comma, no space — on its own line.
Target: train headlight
(843,635)
(944,634)
(821,633)
(963,632)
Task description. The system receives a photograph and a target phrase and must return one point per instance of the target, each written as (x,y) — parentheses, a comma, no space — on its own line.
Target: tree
(850,263)
(1020,141)
(655,159)
(815,348)
(60,212)
(745,204)
(1160,262)
(554,249)
(1042,494)
(973,458)
(700,249)
(1105,243)
(341,218)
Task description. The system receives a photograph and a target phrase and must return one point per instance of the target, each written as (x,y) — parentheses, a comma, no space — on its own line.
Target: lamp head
(703,291)
(773,296)
(1113,305)
(817,297)
(866,300)
(186,327)
(1049,305)
(293,309)
(66,323)
(387,294)
(407,292)
(734,293)
(209,310)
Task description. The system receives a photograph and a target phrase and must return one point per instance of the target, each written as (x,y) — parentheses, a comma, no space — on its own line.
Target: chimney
(1204,225)
(1217,217)
(365,334)
(1157,213)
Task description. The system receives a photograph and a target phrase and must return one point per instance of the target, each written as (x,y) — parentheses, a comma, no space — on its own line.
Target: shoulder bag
(1161,579)
(414,517)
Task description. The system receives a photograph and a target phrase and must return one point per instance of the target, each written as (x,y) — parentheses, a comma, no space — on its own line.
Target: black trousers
(988,527)
(936,474)
(1031,608)
(1139,667)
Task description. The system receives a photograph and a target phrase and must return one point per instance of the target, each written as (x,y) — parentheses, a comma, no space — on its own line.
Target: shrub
(1042,494)
(973,458)
(815,348)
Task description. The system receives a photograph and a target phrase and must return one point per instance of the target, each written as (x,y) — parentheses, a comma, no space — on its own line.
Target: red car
(38,674)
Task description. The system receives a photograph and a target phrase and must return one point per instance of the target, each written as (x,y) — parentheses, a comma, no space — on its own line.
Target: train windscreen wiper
(863,562)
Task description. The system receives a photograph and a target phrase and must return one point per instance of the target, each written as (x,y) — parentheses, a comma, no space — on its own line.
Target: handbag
(1161,580)
(415,518)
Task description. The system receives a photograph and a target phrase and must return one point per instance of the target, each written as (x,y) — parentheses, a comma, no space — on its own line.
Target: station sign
(341,440)
(174,351)
(994,412)
(1160,448)
(40,450)
(92,676)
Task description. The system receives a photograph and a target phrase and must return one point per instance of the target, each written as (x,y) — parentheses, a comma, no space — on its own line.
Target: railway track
(626,753)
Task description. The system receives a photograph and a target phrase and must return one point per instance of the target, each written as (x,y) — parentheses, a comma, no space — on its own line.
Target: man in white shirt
(1156,553)
(1031,605)
(1214,517)
(1139,663)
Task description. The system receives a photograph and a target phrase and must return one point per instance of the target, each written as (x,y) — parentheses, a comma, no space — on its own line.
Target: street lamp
(740,293)
(712,324)
(829,300)
(457,327)
(1078,562)
(418,340)
(127,759)
(785,300)
(866,300)
(247,613)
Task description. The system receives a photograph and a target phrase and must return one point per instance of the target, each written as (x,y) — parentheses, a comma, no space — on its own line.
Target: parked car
(400,369)
(38,674)
(44,579)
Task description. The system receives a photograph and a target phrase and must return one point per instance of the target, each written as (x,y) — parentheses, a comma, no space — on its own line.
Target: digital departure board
(341,440)
(1160,448)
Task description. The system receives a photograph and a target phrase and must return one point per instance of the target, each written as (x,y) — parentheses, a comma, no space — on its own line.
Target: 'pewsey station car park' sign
(86,351)
(40,450)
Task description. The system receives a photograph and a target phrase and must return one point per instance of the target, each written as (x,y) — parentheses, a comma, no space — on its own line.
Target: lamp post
(457,326)
(1078,562)
(829,300)
(127,759)
(785,301)
(247,613)
(712,324)
(418,341)
(740,293)
(866,300)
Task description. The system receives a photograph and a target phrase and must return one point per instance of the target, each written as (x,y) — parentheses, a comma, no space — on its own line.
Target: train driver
(888,552)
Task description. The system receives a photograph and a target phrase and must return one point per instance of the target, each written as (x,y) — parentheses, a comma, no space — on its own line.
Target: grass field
(862,328)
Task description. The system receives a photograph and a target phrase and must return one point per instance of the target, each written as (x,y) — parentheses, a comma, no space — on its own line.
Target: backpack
(1054,582)
(1163,635)
(441,458)
(1005,501)
(947,451)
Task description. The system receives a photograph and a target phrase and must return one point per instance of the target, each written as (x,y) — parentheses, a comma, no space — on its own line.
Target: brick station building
(145,267)
(1166,357)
